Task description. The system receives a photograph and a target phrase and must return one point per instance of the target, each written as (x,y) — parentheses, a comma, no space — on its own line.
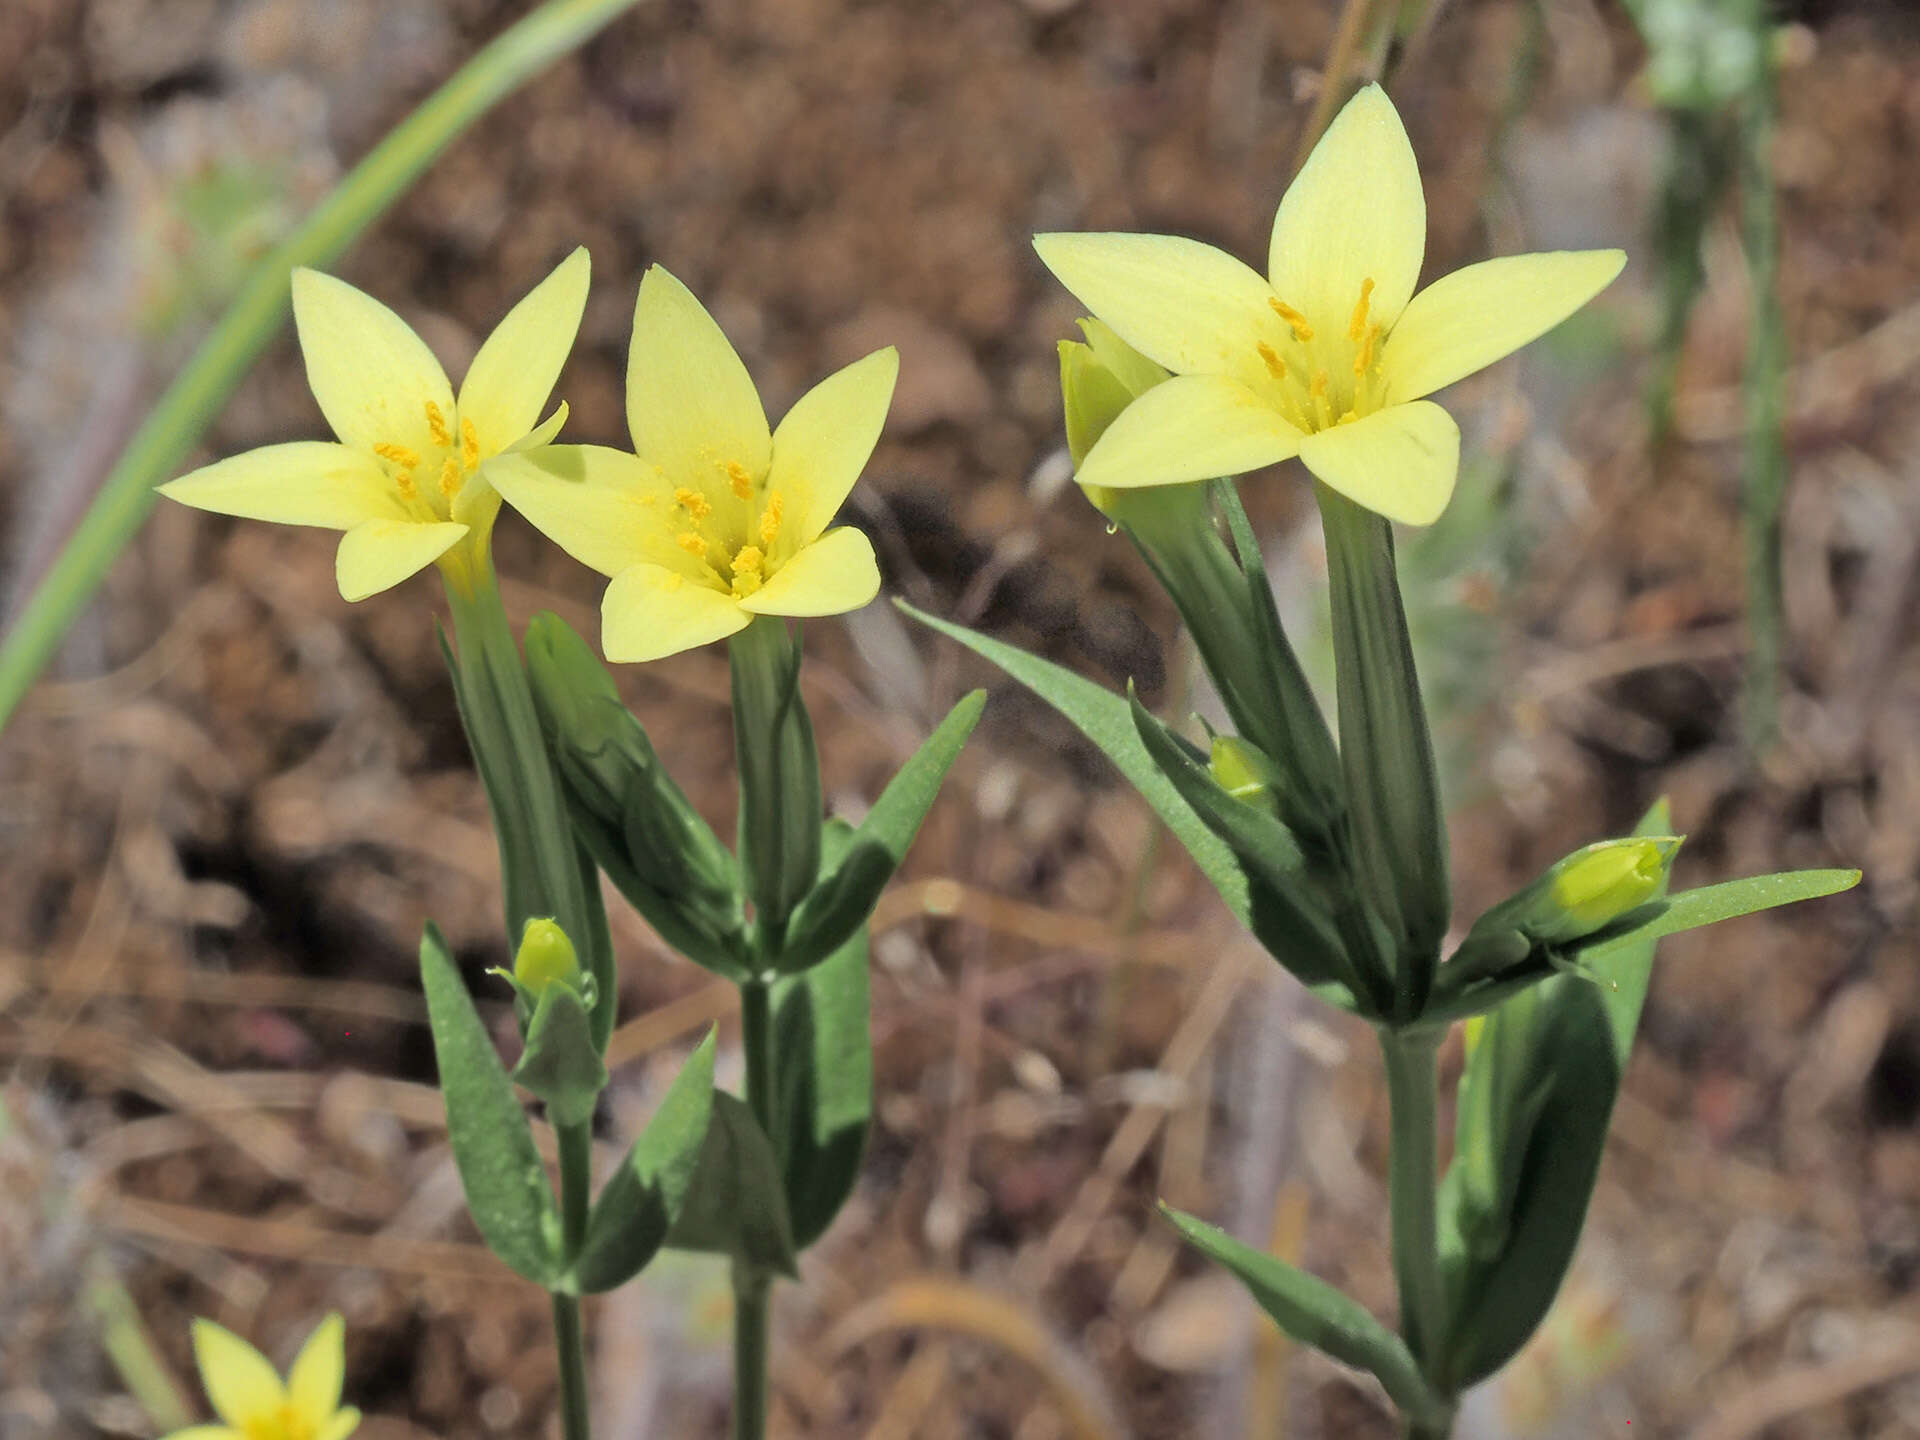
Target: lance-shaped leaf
(843,900)
(643,1198)
(823,1084)
(737,1203)
(780,810)
(507,1187)
(1393,789)
(1106,719)
(561,1064)
(1315,1313)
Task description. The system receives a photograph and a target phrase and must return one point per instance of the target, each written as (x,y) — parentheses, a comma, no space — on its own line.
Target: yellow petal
(205,1432)
(1465,321)
(543,433)
(1129,366)
(1354,213)
(1400,462)
(510,379)
(1194,427)
(1187,306)
(650,612)
(343,1424)
(824,442)
(379,554)
(313,1384)
(691,405)
(240,1384)
(371,374)
(307,482)
(607,509)
(833,575)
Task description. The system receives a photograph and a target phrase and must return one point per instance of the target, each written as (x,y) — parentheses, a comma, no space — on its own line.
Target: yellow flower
(1328,356)
(405,481)
(249,1396)
(716,519)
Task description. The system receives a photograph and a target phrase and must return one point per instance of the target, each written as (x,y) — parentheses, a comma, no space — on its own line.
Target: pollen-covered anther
(1363,357)
(449,477)
(437,425)
(748,570)
(469,445)
(691,542)
(1276,367)
(1302,331)
(1357,326)
(399,454)
(770,519)
(697,506)
(742,482)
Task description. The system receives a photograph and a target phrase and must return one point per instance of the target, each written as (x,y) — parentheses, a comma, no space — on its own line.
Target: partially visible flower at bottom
(253,1402)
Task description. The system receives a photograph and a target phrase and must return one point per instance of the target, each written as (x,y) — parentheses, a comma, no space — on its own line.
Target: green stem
(576,1192)
(1412,1190)
(198,393)
(752,1286)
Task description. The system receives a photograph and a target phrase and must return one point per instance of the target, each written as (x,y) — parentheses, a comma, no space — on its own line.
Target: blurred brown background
(226,818)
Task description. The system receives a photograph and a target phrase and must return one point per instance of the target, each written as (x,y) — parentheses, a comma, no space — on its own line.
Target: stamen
(1363,358)
(469,445)
(691,542)
(1302,331)
(437,425)
(1357,326)
(742,481)
(770,519)
(449,478)
(746,570)
(697,506)
(1322,399)
(1276,367)
(403,482)
(398,454)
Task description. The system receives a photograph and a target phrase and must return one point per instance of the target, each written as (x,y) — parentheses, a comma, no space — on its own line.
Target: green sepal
(780,806)
(1392,786)
(636,822)
(500,1169)
(823,1084)
(560,1064)
(1287,914)
(1314,1313)
(844,899)
(737,1204)
(642,1199)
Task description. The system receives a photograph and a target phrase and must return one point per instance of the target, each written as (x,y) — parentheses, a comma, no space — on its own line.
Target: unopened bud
(1244,772)
(1098,380)
(1592,888)
(546,955)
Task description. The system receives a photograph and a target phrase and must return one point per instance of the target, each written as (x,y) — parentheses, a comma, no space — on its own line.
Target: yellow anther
(742,481)
(1319,387)
(746,570)
(437,425)
(691,542)
(694,503)
(1321,393)
(1302,331)
(1357,326)
(770,519)
(398,454)
(469,445)
(403,482)
(1276,367)
(1363,357)
(449,478)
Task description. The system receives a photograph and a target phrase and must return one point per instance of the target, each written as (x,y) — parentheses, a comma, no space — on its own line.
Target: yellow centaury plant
(405,480)
(716,519)
(249,1397)
(1329,354)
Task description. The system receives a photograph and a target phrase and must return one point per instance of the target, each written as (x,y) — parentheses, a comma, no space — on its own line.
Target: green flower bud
(1245,773)
(1592,888)
(546,955)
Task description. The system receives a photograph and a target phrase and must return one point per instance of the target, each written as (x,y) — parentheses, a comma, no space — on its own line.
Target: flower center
(285,1423)
(1320,378)
(427,484)
(730,525)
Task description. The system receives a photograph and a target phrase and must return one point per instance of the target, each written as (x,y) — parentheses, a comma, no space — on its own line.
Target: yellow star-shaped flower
(717,519)
(1329,355)
(252,1401)
(405,481)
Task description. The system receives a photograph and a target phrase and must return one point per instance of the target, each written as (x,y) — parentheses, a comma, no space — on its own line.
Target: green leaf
(1315,1313)
(823,1084)
(1393,788)
(843,900)
(1107,720)
(1709,905)
(737,1202)
(643,1198)
(560,1063)
(507,1187)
